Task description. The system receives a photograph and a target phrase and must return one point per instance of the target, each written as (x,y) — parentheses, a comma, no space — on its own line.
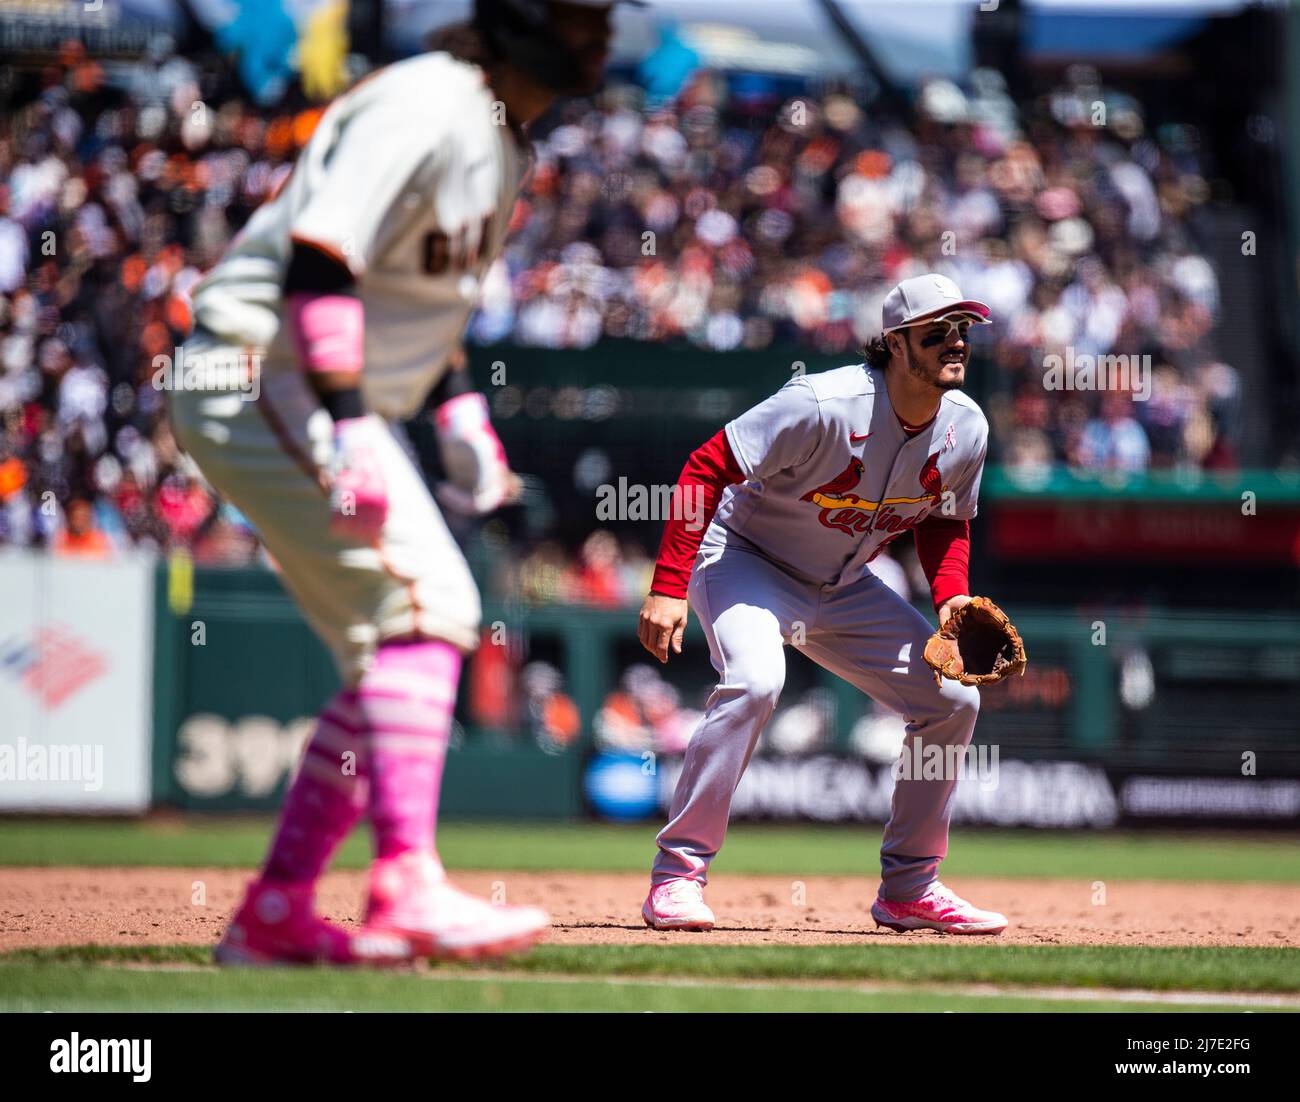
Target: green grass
(779,850)
(1163,969)
(1152,968)
(928,961)
(653,978)
(33,989)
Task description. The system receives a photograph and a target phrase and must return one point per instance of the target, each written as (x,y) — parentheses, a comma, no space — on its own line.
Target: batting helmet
(520,31)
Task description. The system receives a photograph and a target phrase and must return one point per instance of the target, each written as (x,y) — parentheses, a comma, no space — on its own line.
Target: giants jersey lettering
(831,477)
(410,180)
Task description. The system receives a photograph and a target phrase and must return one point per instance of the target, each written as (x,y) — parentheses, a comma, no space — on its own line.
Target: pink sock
(406,700)
(327,798)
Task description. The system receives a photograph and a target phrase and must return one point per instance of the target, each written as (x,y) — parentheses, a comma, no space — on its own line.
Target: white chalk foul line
(977,990)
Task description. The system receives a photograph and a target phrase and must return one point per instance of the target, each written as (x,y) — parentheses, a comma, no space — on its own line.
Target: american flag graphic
(54,665)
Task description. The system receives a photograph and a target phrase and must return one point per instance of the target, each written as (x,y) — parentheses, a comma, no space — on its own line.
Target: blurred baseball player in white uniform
(347,294)
(808,487)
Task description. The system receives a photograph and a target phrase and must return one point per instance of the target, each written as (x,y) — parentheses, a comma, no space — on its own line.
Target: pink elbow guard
(328,331)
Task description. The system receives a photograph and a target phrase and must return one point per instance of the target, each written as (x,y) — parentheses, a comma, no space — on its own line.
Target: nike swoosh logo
(854,438)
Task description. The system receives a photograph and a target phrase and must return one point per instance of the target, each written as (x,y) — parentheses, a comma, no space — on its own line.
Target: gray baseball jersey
(832,477)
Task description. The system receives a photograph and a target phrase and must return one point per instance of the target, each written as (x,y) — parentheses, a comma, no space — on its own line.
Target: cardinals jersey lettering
(831,477)
(410,180)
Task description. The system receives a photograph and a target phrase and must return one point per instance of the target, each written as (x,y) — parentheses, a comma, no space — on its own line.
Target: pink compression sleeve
(328,331)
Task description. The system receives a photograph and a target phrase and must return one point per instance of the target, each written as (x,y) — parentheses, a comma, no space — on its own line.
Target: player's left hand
(479,479)
(951,605)
(977,645)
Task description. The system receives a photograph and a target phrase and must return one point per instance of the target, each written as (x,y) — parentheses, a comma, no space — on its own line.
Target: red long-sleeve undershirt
(942,545)
(711,468)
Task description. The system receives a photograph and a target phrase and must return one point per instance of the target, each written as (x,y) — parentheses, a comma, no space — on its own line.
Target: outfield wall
(198,689)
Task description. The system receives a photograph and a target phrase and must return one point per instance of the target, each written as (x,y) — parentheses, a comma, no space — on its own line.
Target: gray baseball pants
(864,632)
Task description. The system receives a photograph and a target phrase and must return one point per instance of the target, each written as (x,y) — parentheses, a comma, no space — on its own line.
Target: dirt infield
(143,906)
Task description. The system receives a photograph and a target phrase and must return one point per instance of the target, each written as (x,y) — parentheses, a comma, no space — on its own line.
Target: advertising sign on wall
(75,683)
(1046,794)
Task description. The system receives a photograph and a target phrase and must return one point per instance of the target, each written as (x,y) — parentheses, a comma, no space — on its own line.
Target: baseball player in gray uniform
(805,489)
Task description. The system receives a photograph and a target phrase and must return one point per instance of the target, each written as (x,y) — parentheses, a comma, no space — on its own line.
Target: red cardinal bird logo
(931,480)
(841,484)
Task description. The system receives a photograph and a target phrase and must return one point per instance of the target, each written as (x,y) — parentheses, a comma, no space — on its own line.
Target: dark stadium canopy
(912,39)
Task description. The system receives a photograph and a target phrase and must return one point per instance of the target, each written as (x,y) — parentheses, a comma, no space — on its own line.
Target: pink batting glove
(358,496)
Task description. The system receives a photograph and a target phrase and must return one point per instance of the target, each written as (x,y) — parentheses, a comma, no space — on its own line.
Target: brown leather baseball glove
(978,645)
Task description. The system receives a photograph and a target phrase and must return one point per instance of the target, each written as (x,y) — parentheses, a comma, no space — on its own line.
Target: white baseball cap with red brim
(928,296)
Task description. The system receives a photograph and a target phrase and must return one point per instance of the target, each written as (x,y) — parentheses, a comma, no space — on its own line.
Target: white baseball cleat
(410,896)
(939,909)
(677,905)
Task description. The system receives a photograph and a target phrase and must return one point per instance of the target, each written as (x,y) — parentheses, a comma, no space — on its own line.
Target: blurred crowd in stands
(607,572)
(604,573)
(722,219)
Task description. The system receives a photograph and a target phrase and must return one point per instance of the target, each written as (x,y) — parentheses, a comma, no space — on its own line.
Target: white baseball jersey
(410,180)
(832,477)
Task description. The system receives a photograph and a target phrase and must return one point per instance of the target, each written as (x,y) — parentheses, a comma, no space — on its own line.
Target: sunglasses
(958,322)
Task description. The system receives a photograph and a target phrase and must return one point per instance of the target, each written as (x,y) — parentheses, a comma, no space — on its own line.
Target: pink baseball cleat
(410,896)
(276,925)
(939,909)
(677,905)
